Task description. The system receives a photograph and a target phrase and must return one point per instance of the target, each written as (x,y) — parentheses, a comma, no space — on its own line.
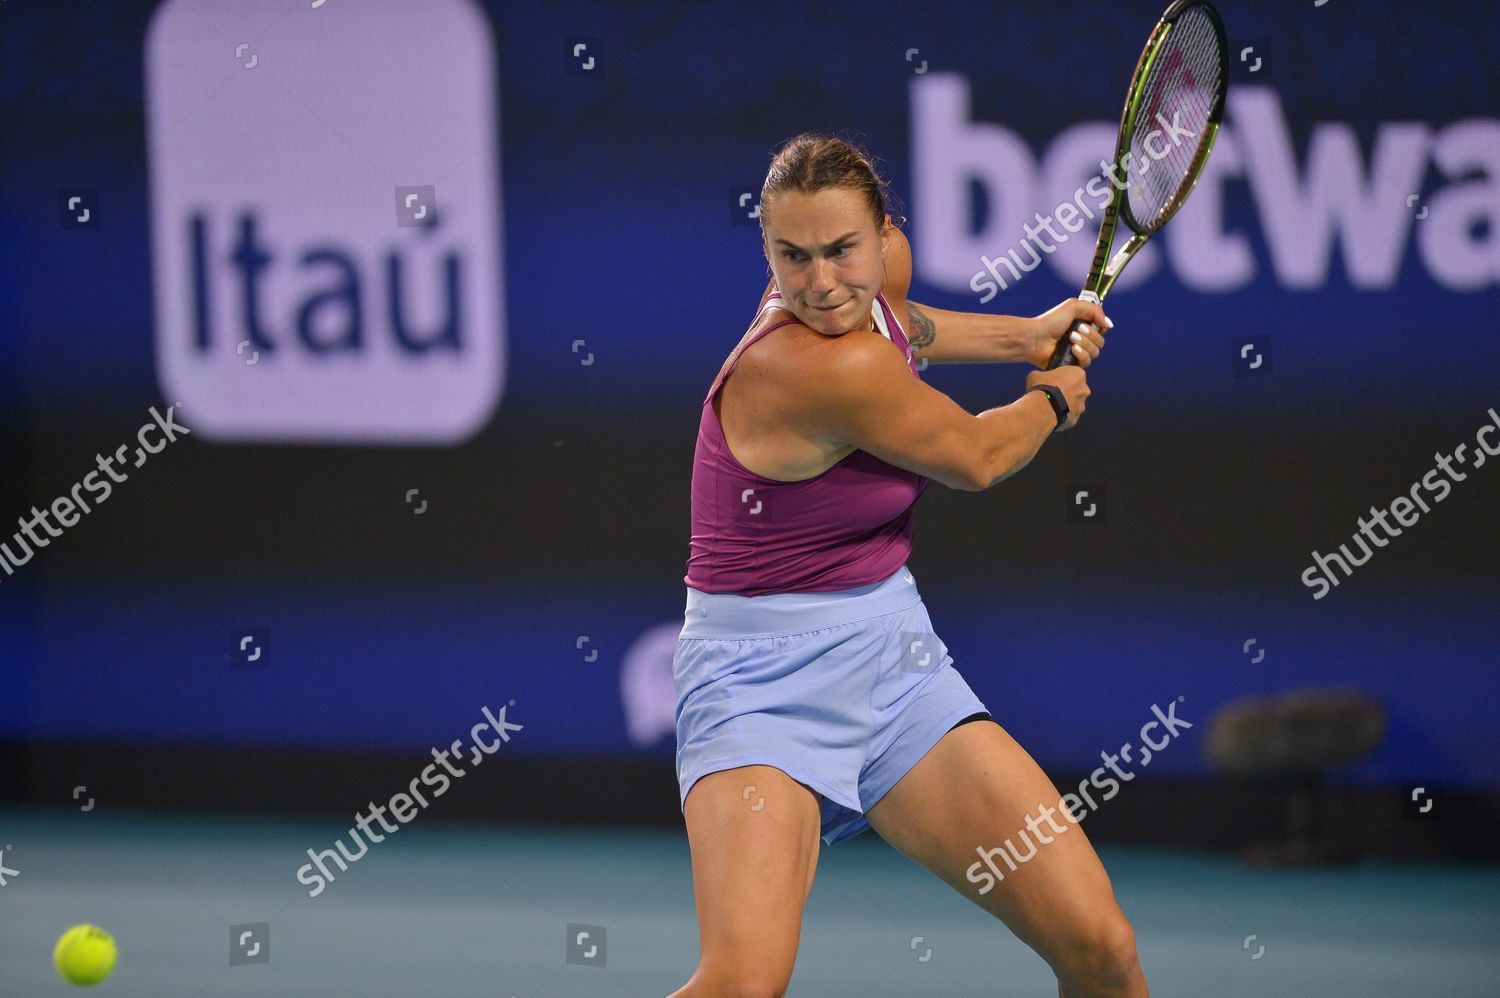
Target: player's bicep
(868,398)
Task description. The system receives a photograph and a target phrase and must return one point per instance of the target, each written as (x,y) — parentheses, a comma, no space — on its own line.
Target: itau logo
(293,301)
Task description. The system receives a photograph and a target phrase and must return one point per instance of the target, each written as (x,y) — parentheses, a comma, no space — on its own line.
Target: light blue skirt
(843,691)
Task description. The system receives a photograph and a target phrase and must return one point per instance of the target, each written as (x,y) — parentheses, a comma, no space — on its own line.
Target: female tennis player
(813,698)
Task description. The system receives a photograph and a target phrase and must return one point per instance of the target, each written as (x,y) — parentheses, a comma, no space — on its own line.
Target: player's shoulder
(898,268)
(858,354)
(799,358)
(757,356)
(851,370)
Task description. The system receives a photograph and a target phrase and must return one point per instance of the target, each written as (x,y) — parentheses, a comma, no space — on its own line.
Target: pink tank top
(849,526)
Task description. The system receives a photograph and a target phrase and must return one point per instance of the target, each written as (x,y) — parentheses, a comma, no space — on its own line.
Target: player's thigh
(975,791)
(754,837)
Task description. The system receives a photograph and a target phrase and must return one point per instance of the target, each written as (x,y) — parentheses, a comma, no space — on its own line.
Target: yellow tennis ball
(85,954)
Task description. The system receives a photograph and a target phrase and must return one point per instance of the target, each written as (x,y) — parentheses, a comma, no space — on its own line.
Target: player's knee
(1102,954)
(745,981)
(755,983)
(754,988)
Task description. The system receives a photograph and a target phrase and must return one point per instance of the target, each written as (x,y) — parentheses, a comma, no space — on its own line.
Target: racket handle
(1063,352)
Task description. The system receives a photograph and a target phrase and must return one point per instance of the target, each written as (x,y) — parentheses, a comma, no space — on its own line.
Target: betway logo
(326,249)
(1334,197)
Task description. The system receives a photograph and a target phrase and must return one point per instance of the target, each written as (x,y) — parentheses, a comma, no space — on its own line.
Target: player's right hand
(1074,384)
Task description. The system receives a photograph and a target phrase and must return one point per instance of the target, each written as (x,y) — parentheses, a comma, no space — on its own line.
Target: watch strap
(1056,399)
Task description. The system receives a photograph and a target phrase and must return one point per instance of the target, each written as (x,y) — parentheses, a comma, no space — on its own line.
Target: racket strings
(1179,95)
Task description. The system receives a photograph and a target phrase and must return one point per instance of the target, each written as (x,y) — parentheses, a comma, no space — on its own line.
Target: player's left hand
(1053,324)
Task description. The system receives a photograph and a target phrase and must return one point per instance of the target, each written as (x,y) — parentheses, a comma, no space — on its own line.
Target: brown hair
(813,162)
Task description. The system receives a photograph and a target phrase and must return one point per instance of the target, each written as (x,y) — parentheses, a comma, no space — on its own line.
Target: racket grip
(1063,352)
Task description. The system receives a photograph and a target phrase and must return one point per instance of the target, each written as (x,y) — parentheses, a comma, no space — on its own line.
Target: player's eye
(792,255)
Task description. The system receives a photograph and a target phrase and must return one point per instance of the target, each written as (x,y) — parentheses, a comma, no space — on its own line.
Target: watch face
(1058,401)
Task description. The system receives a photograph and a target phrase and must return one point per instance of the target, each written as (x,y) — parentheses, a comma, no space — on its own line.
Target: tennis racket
(1171,117)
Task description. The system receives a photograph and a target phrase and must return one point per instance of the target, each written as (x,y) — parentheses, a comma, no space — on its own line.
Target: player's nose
(821,281)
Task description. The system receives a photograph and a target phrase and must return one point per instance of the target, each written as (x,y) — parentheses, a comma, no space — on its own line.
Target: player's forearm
(1013,435)
(944,337)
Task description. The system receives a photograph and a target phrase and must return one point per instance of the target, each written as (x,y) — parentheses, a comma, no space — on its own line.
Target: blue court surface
(451,909)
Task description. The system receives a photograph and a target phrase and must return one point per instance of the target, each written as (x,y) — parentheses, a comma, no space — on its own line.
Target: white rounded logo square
(325,219)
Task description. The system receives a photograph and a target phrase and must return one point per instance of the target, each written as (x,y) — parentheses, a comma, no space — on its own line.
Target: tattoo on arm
(922,331)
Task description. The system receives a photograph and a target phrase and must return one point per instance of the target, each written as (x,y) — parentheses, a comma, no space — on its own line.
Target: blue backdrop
(494,508)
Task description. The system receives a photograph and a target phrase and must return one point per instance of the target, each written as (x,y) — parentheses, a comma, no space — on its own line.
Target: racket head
(1172,113)
(1177,92)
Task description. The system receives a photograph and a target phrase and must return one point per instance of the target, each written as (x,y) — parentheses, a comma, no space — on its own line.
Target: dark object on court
(1295,740)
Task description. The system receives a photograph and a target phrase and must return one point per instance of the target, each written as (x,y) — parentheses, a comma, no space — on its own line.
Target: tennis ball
(85,954)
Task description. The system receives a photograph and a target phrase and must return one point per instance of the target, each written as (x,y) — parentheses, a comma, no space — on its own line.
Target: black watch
(1056,398)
